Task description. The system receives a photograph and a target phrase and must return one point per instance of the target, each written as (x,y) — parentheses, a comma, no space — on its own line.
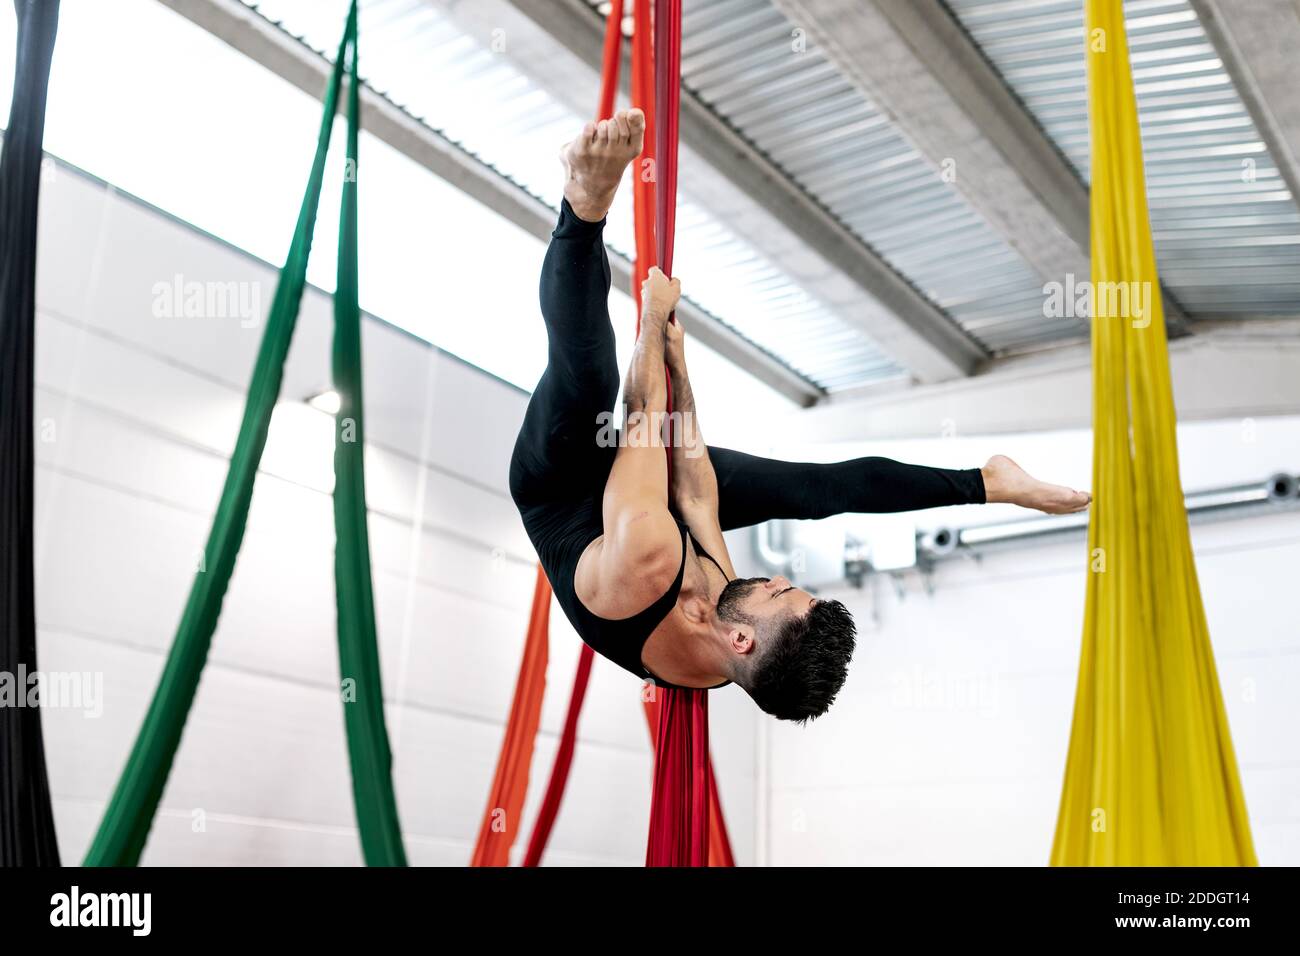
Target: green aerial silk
(125,827)
(372,778)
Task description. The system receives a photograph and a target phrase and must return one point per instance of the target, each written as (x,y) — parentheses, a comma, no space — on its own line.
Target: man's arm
(694,491)
(640,553)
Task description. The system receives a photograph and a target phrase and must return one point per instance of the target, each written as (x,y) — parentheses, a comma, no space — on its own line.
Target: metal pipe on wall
(1277,492)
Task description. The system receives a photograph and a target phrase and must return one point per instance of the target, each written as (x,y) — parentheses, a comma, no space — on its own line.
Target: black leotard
(559,469)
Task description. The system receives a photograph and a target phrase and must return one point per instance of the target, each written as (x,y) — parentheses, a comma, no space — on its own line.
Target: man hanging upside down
(638,562)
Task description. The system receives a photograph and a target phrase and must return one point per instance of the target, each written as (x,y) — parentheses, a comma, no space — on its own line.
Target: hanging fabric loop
(1150,777)
(26,819)
(125,827)
(369,755)
(505,806)
(679,803)
(714,848)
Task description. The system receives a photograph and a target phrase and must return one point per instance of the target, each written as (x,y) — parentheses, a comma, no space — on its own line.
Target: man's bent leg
(752,490)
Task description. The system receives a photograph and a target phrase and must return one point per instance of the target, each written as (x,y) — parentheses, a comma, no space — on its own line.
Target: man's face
(757,600)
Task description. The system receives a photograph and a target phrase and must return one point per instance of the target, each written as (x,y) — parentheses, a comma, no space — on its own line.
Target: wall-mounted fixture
(327,401)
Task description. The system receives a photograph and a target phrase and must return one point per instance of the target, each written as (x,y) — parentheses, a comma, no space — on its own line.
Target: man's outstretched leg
(556,451)
(752,490)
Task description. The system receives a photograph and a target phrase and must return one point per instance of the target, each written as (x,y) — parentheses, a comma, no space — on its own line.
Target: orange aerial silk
(613,55)
(1150,779)
(505,807)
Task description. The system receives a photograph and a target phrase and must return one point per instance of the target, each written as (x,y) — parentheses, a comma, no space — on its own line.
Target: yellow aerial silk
(1150,778)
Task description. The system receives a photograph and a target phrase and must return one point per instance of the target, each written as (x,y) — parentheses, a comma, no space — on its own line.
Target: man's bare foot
(1005,481)
(596,159)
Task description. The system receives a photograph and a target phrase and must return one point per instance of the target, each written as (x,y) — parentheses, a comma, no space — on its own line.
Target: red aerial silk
(686,824)
(563,760)
(679,802)
(505,804)
(644,172)
(719,853)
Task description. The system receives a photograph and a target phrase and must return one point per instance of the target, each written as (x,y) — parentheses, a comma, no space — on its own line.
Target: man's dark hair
(800,662)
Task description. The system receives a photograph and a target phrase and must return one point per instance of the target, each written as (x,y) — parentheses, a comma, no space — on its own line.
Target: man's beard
(731,596)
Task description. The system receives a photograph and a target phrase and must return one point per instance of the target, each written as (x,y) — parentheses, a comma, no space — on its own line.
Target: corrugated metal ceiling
(739,58)
(1227,230)
(415,54)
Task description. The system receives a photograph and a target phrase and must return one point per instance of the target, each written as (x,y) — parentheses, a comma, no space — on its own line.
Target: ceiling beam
(1227,370)
(743,187)
(916,62)
(253,35)
(1257,41)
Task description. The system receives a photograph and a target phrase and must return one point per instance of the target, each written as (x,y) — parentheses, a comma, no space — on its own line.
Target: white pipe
(1280,490)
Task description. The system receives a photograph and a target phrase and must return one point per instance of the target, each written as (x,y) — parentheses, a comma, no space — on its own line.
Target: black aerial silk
(26,817)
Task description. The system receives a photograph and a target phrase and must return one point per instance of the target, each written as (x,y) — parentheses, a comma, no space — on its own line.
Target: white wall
(948,744)
(136,417)
(193,146)
(947,747)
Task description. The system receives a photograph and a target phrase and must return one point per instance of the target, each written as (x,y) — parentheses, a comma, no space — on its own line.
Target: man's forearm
(644,390)
(694,482)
